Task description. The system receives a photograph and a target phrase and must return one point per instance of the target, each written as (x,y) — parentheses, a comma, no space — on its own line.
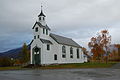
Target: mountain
(14,53)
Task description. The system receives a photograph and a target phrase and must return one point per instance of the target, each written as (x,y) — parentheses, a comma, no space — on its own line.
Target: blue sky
(77,19)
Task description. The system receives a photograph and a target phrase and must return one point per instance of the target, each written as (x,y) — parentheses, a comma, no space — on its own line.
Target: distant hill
(14,53)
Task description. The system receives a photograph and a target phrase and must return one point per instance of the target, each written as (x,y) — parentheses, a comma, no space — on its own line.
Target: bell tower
(41,18)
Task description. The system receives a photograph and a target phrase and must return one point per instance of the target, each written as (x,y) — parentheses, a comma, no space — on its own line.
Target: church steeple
(41,14)
(41,17)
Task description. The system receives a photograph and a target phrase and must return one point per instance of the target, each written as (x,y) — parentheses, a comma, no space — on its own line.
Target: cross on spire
(41,6)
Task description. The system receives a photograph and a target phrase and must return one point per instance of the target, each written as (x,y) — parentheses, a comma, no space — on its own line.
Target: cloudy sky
(77,19)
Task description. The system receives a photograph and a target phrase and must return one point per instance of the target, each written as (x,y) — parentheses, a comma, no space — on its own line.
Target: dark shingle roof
(64,40)
(41,14)
(40,25)
(46,41)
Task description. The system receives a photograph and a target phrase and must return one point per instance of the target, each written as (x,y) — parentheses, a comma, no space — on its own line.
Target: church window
(34,37)
(39,18)
(43,18)
(63,49)
(48,47)
(64,55)
(38,36)
(46,32)
(78,56)
(63,52)
(71,52)
(36,29)
(43,30)
(55,57)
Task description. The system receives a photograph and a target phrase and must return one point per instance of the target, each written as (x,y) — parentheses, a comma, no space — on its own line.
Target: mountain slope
(14,53)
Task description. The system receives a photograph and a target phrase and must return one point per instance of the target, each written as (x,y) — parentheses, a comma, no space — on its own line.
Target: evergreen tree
(25,54)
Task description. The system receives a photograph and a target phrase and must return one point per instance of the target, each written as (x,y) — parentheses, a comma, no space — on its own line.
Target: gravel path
(62,74)
(116,66)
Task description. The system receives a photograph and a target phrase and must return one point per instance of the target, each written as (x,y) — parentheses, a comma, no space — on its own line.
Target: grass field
(80,65)
(65,66)
(11,68)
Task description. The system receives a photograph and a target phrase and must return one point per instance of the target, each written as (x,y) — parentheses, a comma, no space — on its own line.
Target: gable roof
(46,41)
(31,42)
(64,40)
(40,25)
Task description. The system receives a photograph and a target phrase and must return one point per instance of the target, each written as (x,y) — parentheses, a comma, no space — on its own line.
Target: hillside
(14,53)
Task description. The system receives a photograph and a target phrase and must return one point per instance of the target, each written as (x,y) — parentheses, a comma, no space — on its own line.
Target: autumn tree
(84,50)
(99,45)
(86,53)
(117,55)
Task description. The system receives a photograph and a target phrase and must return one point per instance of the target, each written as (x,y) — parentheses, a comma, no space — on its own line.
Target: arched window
(36,29)
(63,52)
(71,52)
(63,49)
(39,18)
(55,57)
(36,49)
(43,18)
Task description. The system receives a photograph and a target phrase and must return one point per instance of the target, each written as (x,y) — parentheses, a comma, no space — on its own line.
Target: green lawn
(10,68)
(80,65)
(62,66)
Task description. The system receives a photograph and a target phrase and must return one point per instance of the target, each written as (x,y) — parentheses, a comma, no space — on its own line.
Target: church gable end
(40,25)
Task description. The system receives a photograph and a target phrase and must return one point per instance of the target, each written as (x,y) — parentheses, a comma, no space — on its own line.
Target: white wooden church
(48,48)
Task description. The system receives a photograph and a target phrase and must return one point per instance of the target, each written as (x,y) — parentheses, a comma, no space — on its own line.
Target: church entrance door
(37,55)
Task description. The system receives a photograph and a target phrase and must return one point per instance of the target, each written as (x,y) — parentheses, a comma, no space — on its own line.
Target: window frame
(55,57)
(38,36)
(48,47)
(78,51)
(43,18)
(36,29)
(63,55)
(71,52)
(39,18)
(63,51)
(43,30)
(46,31)
(34,37)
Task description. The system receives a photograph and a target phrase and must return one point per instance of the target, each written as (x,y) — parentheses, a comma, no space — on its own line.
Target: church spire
(41,13)
(41,17)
